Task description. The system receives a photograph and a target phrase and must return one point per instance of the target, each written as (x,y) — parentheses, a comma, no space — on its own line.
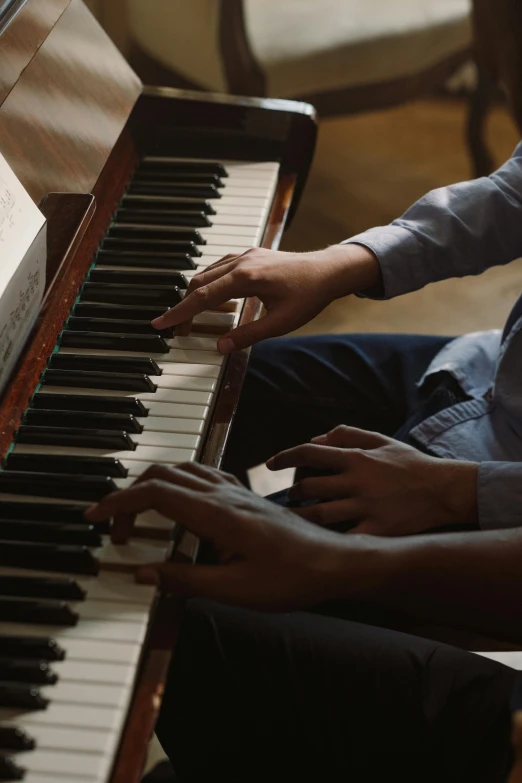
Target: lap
(307,697)
(304,386)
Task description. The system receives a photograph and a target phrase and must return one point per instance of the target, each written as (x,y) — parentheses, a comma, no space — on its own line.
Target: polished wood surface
(22,38)
(58,139)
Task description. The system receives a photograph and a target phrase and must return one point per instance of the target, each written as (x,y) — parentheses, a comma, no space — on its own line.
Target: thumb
(351,438)
(271,325)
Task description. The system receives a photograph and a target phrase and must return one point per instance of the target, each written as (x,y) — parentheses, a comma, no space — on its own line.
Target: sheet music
(23,250)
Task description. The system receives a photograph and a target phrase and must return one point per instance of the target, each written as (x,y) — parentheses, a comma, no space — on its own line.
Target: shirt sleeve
(451,232)
(499,494)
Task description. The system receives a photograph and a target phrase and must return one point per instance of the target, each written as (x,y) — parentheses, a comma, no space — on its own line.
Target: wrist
(355,268)
(358,567)
(459,492)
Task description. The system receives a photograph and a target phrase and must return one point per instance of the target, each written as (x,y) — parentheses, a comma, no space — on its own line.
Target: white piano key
(225,320)
(257,203)
(169,424)
(221,249)
(239,210)
(271,166)
(67,739)
(76,766)
(117,587)
(89,630)
(103,650)
(111,611)
(195,343)
(132,555)
(174,356)
(176,440)
(96,673)
(230,239)
(175,387)
(147,454)
(224,218)
(264,178)
(104,695)
(249,233)
(174,410)
(83,717)
(152,519)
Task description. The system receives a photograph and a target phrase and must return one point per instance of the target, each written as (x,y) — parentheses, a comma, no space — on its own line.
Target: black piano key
(75,437)
(12,738)
(167,233)
(43,512)
(49,532)
(150,344)
(76,466)
(114,293)
(34,672)
(127,277)
(164,217)
(176,177)
(188,189)
(57,588)
(58,558)
(122,422)
(86,363)
(79,402)
(132,382)
(137,258)
(118,311)
(151,245)
(55,485)
(31,647)
(152,163)
(9,769)
(167,202)
(20,695)
(113,326)
(32,610)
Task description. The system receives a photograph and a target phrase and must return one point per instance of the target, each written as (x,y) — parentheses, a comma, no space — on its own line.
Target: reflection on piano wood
(178,180)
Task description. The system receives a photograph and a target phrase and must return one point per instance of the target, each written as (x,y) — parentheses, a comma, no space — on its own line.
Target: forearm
(452,232)
(465,580)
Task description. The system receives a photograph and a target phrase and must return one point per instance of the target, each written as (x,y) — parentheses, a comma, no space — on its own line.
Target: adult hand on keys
(294,288)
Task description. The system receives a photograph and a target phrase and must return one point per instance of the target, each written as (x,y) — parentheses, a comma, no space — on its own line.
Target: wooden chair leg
(479,105)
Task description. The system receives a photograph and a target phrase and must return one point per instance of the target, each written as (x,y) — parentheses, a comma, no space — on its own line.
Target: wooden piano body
(74,119)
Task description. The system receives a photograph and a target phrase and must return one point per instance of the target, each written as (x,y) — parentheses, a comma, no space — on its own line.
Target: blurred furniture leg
(498,42)
(344,56)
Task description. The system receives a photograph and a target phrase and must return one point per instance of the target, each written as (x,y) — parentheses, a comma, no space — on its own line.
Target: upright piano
(141,188)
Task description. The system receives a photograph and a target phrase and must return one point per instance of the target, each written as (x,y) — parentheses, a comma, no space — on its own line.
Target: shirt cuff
(499,495)
(399,255)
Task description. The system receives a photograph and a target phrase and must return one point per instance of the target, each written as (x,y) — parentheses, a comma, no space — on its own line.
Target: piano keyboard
(116,397)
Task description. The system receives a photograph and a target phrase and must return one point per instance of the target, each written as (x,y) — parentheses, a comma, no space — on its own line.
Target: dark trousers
(304,697)
(300,387)
(318,697)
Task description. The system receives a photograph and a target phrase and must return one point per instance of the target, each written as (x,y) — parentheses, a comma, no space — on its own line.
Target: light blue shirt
(452,232)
